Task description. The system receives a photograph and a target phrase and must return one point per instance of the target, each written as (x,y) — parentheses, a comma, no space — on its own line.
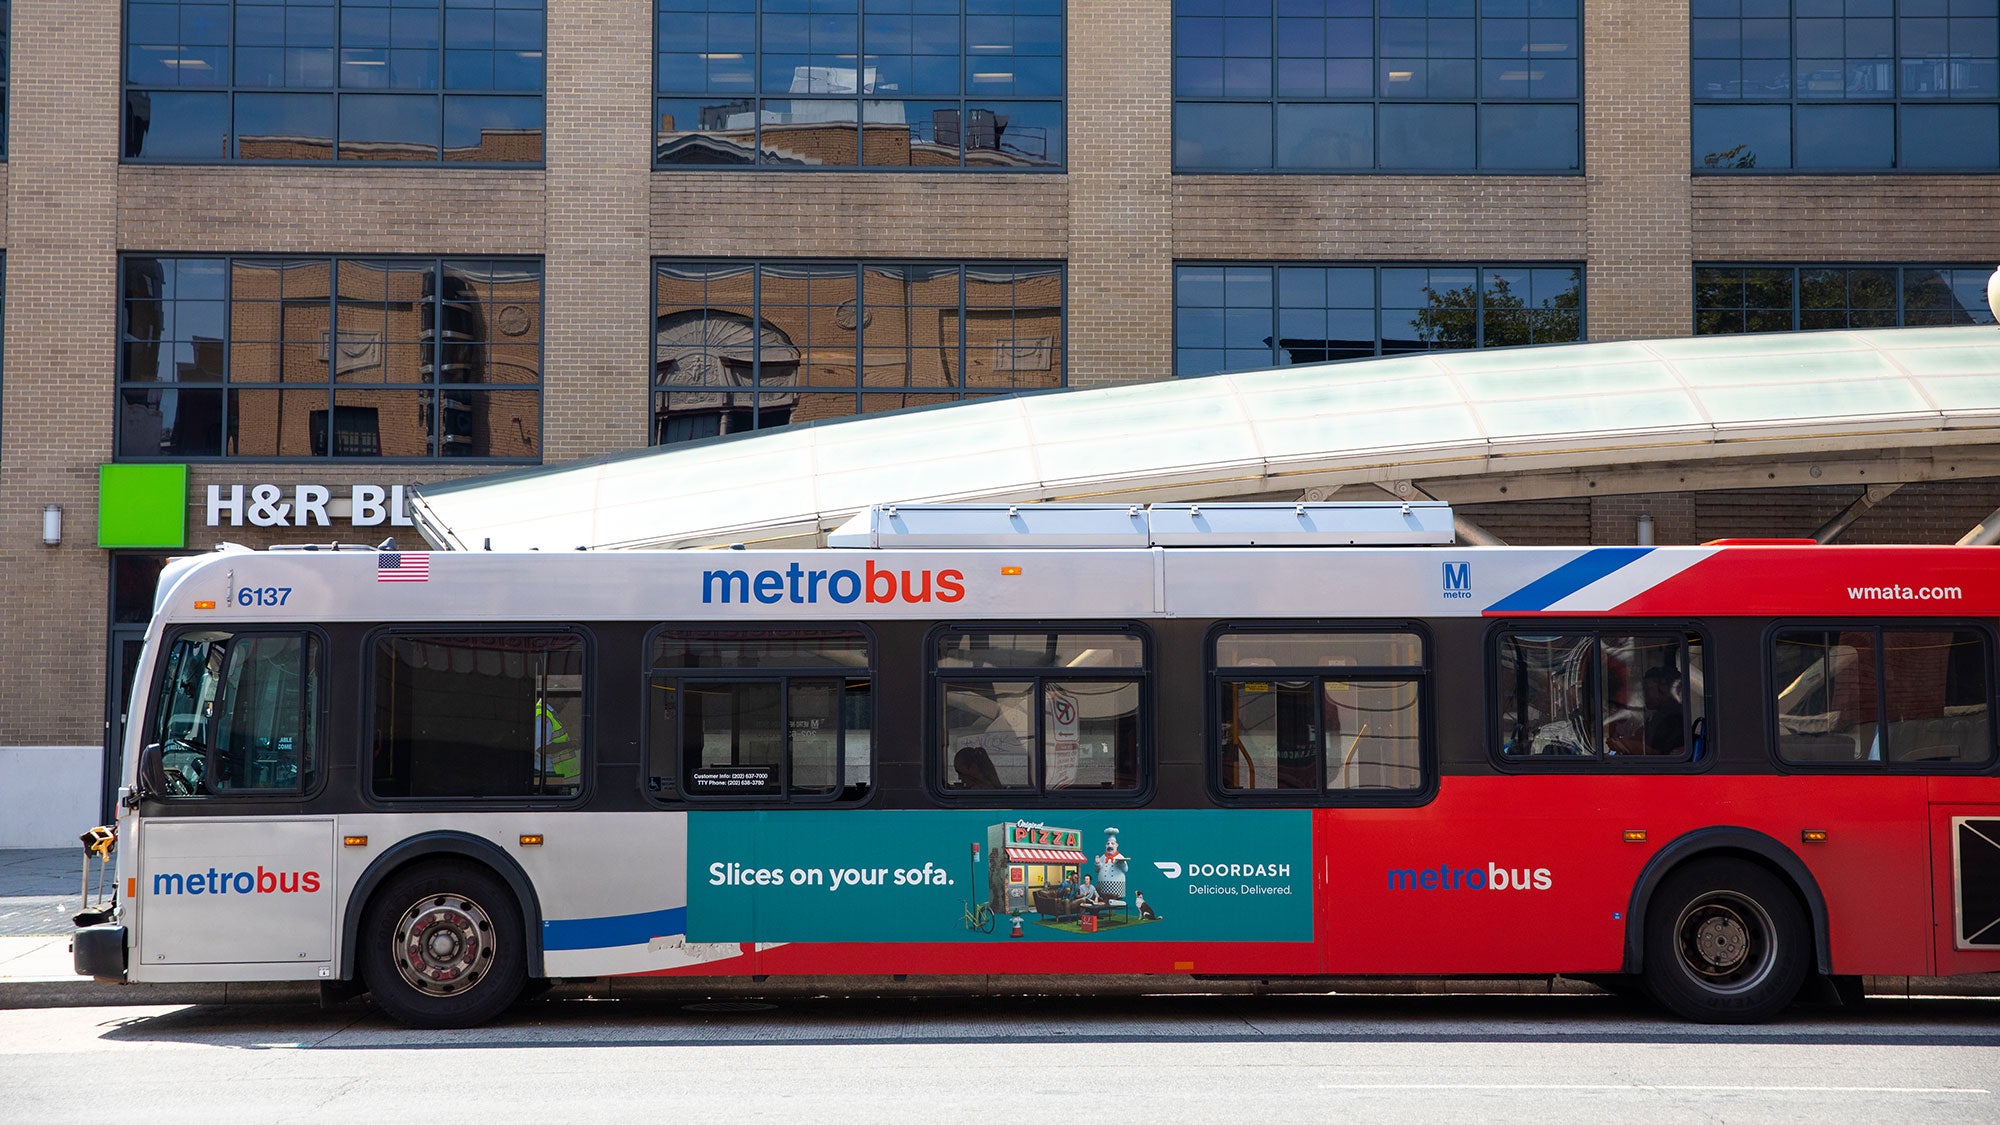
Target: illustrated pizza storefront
(1029,857)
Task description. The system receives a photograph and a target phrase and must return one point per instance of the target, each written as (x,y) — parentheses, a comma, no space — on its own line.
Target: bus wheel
(1726,942)
(442,946)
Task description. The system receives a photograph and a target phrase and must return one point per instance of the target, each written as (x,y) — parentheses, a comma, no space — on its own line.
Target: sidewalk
(38,895)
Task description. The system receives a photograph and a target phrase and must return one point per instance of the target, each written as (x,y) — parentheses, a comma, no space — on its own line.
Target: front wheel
(985,919)
(442,946)
(1726,942)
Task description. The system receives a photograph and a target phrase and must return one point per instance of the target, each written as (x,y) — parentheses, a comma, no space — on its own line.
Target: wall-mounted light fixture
(52,525)
(1645,531)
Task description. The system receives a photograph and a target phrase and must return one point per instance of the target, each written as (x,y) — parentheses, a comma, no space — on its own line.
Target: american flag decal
(399,567)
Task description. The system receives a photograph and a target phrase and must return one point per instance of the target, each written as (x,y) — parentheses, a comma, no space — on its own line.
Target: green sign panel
(142,505)
(969,875)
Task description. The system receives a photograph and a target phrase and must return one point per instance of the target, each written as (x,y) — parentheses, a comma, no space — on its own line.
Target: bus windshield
(236,712)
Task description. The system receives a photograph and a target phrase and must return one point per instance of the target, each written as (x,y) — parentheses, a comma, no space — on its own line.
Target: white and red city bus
(1198,740)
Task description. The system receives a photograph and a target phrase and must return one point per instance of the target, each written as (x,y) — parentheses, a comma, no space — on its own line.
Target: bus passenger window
(1038,712)
(478,715)
(776,714)
(1882,695)
(238,713)
(1319,714)
(1588,694)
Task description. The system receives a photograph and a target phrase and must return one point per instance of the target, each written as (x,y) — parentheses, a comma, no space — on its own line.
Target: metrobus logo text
(803,587)
(1492,877)
(260,882)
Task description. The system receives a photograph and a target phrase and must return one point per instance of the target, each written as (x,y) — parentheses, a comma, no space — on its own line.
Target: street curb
(81,993)
(84,993)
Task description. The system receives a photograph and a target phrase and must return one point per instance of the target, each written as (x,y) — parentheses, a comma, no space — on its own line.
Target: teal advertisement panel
(995,875)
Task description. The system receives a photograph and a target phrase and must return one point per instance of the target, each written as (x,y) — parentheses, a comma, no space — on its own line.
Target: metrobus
(1230,741)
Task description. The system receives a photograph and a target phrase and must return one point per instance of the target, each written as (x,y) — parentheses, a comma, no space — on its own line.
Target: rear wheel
(1726,942)
(442,946)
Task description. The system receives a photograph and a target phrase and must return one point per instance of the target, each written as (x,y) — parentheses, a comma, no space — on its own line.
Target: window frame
(435,385)
(1423,675)
(314,666)
(1688,761)
(675,794)
(936,681)
(233,89)
(1879,626)
(1376,102)
(756,96)
(587,703)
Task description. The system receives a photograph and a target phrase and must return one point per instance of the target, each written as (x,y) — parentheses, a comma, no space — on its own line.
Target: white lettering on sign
(307,505)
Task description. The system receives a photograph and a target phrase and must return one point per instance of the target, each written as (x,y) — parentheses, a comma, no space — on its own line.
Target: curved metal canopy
(1432,416)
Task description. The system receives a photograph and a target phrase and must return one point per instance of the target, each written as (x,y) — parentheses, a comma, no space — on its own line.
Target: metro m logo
(1458,580)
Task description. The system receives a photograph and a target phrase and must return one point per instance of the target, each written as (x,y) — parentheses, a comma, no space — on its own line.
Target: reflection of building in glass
(316,357)
(815,132)
(741,346)
(496,146)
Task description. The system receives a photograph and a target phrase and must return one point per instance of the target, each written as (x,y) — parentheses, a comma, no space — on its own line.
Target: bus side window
(1882,695)
(1038,712)
(1600,694)
(473,715)
(777,715)
(1334,714)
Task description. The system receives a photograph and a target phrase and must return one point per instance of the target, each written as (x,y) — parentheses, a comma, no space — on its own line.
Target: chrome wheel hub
(443,944)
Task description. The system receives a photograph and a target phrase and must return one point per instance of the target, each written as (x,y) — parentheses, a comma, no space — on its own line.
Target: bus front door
(235,891)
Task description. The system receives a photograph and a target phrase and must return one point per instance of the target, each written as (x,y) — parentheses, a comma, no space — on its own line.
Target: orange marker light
(131,888)
(354,841)
(1813,835)
(1635,835)
(532,840)
(204,605)
(1010,571)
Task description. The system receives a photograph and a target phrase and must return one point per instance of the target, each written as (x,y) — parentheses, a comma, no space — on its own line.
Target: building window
(1248,317)
(749,345)
(1054,713)
(283,358)
(1729,299)
(859,83)
(407,81)
(1845,85)
(1377,85)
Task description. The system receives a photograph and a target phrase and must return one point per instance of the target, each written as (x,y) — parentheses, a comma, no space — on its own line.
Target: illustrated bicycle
(978,916)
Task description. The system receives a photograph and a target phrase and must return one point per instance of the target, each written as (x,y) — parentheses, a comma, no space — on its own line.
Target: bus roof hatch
(1421,523)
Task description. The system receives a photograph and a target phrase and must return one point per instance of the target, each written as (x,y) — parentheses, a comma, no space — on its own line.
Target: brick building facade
(598,210)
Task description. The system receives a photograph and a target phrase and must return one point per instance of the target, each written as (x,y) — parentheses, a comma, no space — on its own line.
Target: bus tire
(1726,942)
(442,946)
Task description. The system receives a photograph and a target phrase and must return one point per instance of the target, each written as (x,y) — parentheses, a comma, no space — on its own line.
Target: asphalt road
(1064,1060)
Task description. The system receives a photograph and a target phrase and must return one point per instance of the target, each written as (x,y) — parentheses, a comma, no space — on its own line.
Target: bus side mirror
(152,771)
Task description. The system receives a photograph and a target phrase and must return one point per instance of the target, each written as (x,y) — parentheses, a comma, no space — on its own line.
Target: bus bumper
(99,952)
